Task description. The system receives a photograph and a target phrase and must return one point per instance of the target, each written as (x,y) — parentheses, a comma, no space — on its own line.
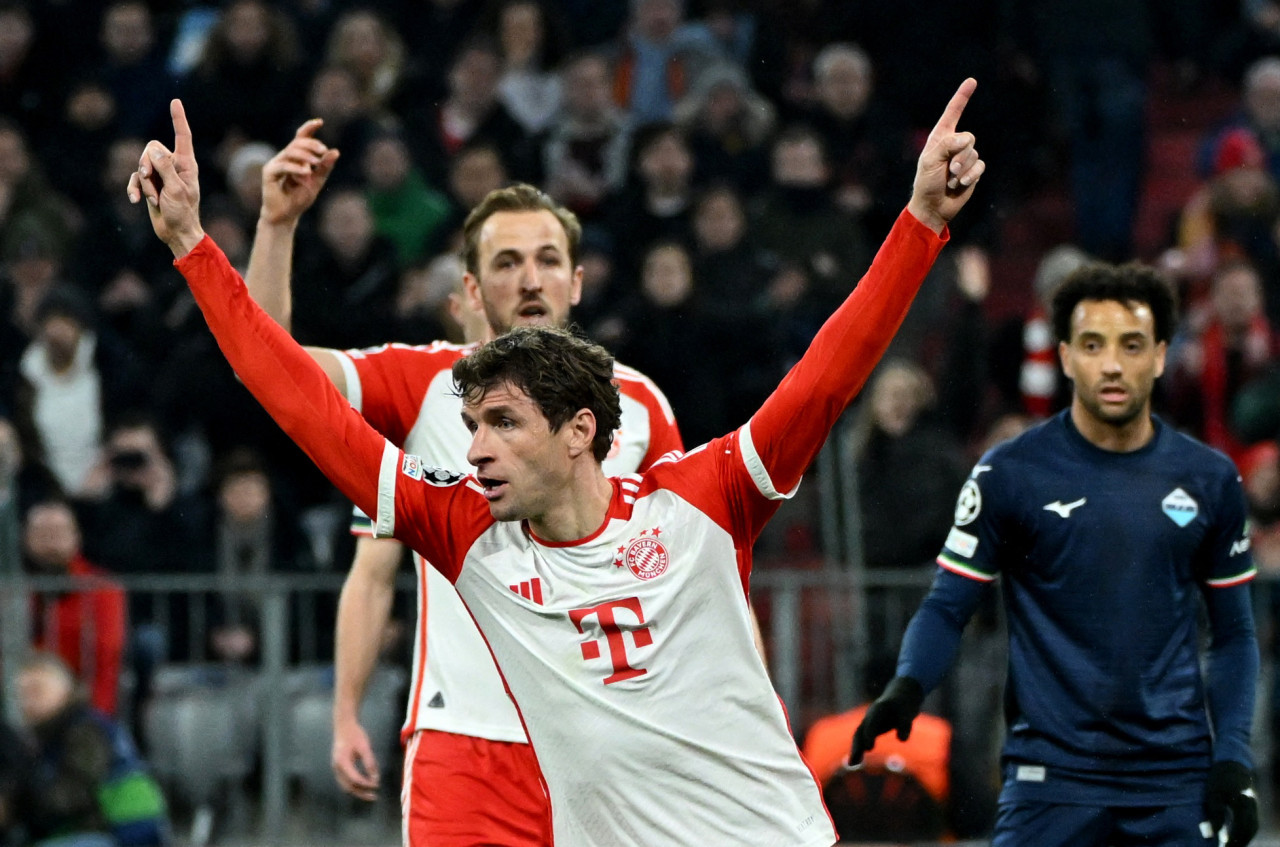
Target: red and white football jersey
(407,394)
(628,653)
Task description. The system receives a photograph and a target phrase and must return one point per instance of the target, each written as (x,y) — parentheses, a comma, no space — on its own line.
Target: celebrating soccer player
(469,774)
(615,607)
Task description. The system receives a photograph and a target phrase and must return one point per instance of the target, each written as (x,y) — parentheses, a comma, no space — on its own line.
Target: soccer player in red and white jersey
(631,661)
(469,775)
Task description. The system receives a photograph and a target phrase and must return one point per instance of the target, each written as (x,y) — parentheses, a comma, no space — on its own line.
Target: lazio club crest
(1180,507)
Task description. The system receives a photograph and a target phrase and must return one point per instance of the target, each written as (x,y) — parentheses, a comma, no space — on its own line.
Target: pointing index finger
(951,115)
(181,130)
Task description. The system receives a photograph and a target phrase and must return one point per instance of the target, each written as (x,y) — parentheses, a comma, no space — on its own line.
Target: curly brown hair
(559,371)
(520,197)
(1131,283)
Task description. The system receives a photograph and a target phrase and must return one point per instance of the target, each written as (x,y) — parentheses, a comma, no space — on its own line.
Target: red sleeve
(301,399)
(390,382)
(785,435)
(664,434)
(108,649)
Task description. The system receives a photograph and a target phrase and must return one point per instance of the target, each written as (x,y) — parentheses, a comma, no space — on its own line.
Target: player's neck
(582,509)
(1115,438)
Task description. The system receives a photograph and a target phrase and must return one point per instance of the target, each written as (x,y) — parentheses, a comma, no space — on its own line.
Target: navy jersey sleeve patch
(975,536)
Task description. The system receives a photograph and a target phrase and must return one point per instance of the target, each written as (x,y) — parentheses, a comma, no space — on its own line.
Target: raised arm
(291,182)
(790,428)
(270,363)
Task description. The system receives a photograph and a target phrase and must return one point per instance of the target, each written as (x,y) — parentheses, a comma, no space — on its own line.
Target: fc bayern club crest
(645,556)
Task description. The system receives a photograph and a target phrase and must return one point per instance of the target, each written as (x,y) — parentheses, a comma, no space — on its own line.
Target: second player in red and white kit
(469,777)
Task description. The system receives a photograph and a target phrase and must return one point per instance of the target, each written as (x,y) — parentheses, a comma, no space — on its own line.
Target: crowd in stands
(733,162)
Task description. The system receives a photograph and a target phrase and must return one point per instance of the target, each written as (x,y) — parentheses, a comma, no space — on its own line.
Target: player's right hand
(896,708)
(292,179)
(354,764)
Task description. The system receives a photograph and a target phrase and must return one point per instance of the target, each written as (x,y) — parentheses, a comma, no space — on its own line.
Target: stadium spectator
(750,36)
(334,98)
(407,212)
(89,124)
(132,67)
(30,268)
(1222,344)
(85,625)
(1111,732)
(351,276)
(666,313)
(27,203)
(909,467)
(28,76)
(818,245)
(244,179)
(658,59)
(1259,113)
(470,114)
(728,126)
(124,274)
(658,204)
(75,379)
(865,139)
(1023,360)
(588,145)
(545,483)
(532,46)
(374,54)
(732,275)
(255,533)
(1232,216)
(89,786)
(248,80)
(434,31)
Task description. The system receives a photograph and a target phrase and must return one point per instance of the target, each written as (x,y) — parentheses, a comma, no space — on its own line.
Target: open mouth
(532,311)
(493,488)
(1113,394)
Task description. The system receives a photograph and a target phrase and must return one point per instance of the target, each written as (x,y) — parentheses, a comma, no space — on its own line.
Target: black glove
(1229,799)
(896,708)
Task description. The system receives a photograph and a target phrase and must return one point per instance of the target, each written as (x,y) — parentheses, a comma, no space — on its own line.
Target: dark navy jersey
(1103,556)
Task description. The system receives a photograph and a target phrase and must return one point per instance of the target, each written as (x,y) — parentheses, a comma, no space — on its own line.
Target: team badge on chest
(1180,507)
(645,556)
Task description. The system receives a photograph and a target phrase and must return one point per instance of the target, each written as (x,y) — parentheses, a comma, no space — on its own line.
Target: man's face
(586,87)
(51,537)
(845,87)
(524,276)
(1237,297)
(798,162)
(1113,359)
(42,693)
(525,468)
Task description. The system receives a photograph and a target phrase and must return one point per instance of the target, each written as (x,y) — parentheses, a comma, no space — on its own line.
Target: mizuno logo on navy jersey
(1064,510)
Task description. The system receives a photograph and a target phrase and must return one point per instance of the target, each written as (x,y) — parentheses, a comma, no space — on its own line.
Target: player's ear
(471,290)
(1162,348)
(580,432)
(575,290)
(1064,357)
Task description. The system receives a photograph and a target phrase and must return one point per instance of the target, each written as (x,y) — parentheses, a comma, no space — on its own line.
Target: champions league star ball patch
(968,504)
(645,556)
(1180,507)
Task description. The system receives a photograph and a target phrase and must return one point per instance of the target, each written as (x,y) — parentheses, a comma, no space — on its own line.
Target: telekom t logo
(606,617)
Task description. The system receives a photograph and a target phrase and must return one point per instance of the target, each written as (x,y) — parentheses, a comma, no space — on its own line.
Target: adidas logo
(436,702)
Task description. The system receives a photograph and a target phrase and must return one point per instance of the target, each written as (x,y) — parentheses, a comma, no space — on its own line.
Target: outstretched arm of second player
(291,182)
(795,420)
(364,610)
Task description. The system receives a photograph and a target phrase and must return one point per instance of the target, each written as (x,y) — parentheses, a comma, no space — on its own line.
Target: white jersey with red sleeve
(407,394)
(650,714)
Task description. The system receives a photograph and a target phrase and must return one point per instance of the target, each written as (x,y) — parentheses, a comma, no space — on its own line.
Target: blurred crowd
(734,163)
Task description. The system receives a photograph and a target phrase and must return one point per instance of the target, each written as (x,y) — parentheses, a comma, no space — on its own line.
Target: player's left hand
(1230,790)
(170,183)
(949,166)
